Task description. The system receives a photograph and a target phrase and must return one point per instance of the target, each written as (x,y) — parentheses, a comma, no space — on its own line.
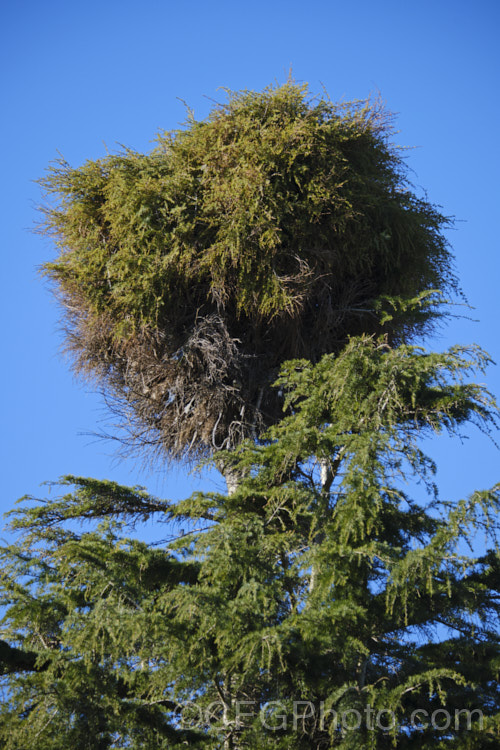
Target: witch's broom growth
(269,231)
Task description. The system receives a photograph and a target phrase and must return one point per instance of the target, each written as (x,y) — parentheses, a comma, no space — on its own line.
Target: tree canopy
(252,291)
(274,229)
(317,606)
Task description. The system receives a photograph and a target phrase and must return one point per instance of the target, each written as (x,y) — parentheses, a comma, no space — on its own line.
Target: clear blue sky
(78,77)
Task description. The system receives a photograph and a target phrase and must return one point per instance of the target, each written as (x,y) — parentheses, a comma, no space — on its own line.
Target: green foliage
(280,222)
(279,238)
(320,578)
(249,205)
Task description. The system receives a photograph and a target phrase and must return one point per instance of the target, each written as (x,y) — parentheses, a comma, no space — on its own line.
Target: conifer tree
(251,292)
(317,606)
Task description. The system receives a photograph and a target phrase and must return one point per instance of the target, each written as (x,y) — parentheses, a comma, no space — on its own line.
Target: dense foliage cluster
(318,596)
(249,291)
(271,230)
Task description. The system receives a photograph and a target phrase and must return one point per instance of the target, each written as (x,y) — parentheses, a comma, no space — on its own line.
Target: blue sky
(80,77)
